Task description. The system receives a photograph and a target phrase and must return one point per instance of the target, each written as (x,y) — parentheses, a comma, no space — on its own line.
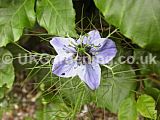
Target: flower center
(83,54)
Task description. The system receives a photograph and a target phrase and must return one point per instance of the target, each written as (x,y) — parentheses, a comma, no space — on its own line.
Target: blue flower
(82,57)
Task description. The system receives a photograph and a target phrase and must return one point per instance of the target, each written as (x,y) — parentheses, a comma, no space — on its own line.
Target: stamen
(81,38)
(76,55)
(72,44)
(90,58)
(83,55)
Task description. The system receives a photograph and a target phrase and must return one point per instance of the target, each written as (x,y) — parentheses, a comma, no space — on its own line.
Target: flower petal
(90,74)
(89,38)
(62,45)
(105,51)
(64,66)
(94,35)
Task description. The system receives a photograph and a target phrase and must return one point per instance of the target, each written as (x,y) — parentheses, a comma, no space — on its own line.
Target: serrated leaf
(146,106)
(56,16)
(128,110)
(113,90)
(6,68)
(155,93)
(138,20)
(15,16)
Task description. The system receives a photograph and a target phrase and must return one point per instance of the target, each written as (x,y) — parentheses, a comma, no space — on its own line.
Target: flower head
(82,57)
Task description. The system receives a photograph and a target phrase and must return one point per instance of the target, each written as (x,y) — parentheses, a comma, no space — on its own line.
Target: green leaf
(6,68)
(155,93)
(114,89)
(15,16)
(3,91)
(56,16)
(6,71)
(128,110)
(138,20)
(146,106)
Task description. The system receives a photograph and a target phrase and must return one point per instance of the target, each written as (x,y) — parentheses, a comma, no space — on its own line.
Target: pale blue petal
(89,37)
(64,66)
(93,35)
(90,74)
(98,42)
(105,51)
(63,46)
